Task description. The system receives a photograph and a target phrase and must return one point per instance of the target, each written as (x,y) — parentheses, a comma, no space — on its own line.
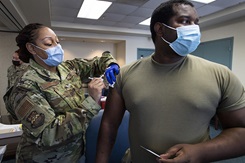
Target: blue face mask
(188,39)
(55,55)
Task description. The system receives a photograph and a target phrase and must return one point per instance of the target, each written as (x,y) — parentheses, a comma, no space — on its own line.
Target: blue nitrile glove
(110,74)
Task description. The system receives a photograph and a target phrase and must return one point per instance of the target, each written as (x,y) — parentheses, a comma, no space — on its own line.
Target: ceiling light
(146,22)
(93,9)
(204,1)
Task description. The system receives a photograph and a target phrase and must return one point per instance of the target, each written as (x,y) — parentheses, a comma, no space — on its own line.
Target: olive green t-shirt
(174,103)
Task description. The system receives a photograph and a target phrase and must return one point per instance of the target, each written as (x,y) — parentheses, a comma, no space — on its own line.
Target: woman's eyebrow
(48,37)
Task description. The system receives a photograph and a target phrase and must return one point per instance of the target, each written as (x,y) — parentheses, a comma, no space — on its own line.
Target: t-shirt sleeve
(232,90)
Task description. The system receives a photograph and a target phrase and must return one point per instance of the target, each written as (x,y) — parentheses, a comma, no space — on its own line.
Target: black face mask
(16,63)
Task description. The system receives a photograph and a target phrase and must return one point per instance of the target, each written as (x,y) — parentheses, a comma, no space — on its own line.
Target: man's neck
(166,57)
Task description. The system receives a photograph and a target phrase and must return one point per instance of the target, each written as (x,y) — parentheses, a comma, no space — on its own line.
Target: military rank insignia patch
(36,119)
(24,107)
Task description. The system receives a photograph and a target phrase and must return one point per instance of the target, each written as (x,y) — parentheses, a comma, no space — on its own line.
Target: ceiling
(122,17)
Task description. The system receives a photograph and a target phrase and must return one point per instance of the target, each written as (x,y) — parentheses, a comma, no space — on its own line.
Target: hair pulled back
(28,34)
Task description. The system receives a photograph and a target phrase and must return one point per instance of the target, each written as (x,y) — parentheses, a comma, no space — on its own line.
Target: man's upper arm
(114,109)
(233,118)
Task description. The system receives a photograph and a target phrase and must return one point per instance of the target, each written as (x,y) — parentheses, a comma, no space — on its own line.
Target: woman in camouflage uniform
(49,100)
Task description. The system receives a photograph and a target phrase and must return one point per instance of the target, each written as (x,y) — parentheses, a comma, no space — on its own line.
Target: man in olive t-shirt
(171,97)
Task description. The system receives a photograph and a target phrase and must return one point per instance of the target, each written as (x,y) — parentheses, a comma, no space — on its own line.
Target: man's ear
(30,48)
(158,28)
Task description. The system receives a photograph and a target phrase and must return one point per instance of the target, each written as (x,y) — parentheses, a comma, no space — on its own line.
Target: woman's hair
(28,34)
(164,12)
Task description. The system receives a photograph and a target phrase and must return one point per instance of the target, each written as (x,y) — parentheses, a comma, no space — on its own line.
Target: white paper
(10,130)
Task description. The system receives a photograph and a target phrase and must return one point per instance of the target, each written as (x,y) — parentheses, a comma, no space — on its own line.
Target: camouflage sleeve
(9,76)
(94,67)
(9,71)
(39,119)
(91,108)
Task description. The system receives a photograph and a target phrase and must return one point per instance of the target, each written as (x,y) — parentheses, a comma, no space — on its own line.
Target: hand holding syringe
(106,82)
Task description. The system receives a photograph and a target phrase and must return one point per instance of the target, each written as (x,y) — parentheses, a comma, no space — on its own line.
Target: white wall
(131,42)
(120,52)
(7,47)
(76,49)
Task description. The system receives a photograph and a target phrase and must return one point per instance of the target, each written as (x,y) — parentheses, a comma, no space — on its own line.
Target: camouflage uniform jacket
(53,109)
(14,72)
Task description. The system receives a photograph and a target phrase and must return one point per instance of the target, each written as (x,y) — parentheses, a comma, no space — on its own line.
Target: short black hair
(164,12)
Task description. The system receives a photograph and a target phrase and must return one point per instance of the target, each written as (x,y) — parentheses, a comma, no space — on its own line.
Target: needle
(150,151)
(101,76)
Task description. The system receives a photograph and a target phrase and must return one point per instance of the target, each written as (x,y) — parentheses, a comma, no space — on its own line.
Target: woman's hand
(111,72)
(95,87)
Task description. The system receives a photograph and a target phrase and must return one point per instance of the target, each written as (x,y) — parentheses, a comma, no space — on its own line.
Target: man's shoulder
(135,67)
(136,63)
(205,62)
(207,67)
